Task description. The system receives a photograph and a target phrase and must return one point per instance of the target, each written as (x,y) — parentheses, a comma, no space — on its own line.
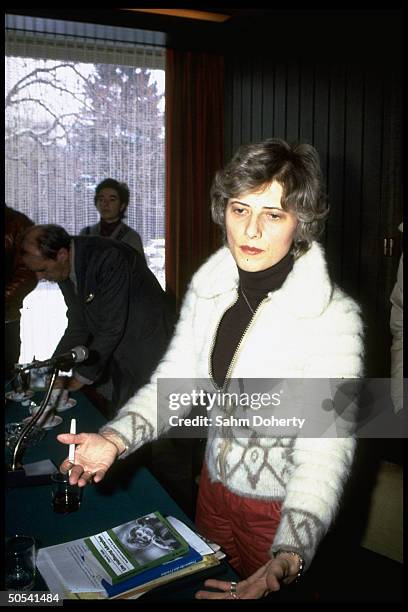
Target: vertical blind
(79,110)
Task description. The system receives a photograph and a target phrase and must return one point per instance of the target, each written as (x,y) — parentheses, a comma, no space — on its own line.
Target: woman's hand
(94,455)
(266,579)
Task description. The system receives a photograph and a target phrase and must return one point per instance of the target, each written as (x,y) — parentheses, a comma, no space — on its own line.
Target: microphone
(63,361)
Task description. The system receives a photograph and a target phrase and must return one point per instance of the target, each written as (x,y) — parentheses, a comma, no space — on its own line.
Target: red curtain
(194,151)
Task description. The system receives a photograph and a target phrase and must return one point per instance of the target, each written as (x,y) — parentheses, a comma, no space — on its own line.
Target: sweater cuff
(132,429)
(122,438)
(300,532)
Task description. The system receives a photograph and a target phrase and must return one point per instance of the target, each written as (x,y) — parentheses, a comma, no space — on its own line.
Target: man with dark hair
(116,306)
(111,200)
(19,282)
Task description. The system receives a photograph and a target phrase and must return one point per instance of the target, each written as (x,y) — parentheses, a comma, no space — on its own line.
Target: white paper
(40,468)
(69,563)
(192,538)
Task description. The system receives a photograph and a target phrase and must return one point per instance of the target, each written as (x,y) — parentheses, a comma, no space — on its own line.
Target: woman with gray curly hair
(262,307)
(296,168)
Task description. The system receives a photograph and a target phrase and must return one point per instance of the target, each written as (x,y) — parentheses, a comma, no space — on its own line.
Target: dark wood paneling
(280,107)
(306,103)
(321,114)
(336,168)
(350,111)
(321,120)
(247,95)
(354,100)
(292,102)
(269,97)
(237,96)
(257,101)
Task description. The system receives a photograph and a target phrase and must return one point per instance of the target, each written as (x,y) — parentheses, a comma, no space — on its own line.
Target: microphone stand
(16,475)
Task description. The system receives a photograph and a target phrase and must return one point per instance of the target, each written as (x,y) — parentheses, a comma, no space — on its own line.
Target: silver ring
(233,587)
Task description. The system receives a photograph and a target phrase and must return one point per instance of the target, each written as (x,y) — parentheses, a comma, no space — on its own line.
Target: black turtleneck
(107,229)
(256,286)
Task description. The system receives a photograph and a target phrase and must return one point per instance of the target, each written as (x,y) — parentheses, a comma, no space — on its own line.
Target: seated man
(115,306)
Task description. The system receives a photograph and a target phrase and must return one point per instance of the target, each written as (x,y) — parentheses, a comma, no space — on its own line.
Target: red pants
(244,527)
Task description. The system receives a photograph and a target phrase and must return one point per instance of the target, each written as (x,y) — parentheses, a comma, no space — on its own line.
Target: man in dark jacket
(19,282)
(116,306)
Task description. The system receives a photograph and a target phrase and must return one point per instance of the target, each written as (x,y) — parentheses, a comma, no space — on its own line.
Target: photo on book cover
(146,538)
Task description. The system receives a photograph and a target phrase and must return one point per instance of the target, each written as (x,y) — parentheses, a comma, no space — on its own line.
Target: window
(83,103)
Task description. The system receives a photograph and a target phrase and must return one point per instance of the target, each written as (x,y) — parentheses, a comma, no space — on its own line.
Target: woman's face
(108,204)
(141,535)
(259,231)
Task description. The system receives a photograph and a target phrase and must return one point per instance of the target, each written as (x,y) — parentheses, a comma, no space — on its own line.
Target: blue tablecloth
(129,490)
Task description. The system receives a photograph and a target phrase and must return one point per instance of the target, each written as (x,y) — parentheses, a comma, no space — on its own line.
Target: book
(147,576)
(128,549)
(208,557)
(67,570)
(208,563)
(206,568)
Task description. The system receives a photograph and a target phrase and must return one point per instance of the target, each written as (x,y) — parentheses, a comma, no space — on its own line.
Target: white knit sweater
(306,329)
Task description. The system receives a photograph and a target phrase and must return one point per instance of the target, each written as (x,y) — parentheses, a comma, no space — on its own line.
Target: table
(129,490)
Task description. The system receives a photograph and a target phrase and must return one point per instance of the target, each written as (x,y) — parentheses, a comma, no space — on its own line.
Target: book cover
(133,547)
(205,568)
(209,562)
(190,558)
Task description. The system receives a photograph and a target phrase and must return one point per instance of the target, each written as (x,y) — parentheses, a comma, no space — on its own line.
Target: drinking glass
(21,381)
(66,497)
(20,563)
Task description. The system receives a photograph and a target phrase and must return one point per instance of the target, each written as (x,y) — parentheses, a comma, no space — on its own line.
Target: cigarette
(71,454)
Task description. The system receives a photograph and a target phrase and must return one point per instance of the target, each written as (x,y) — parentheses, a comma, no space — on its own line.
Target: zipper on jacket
(226,441)
(213,344)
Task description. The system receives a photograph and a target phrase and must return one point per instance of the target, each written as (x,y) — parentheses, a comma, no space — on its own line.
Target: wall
(335,83)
